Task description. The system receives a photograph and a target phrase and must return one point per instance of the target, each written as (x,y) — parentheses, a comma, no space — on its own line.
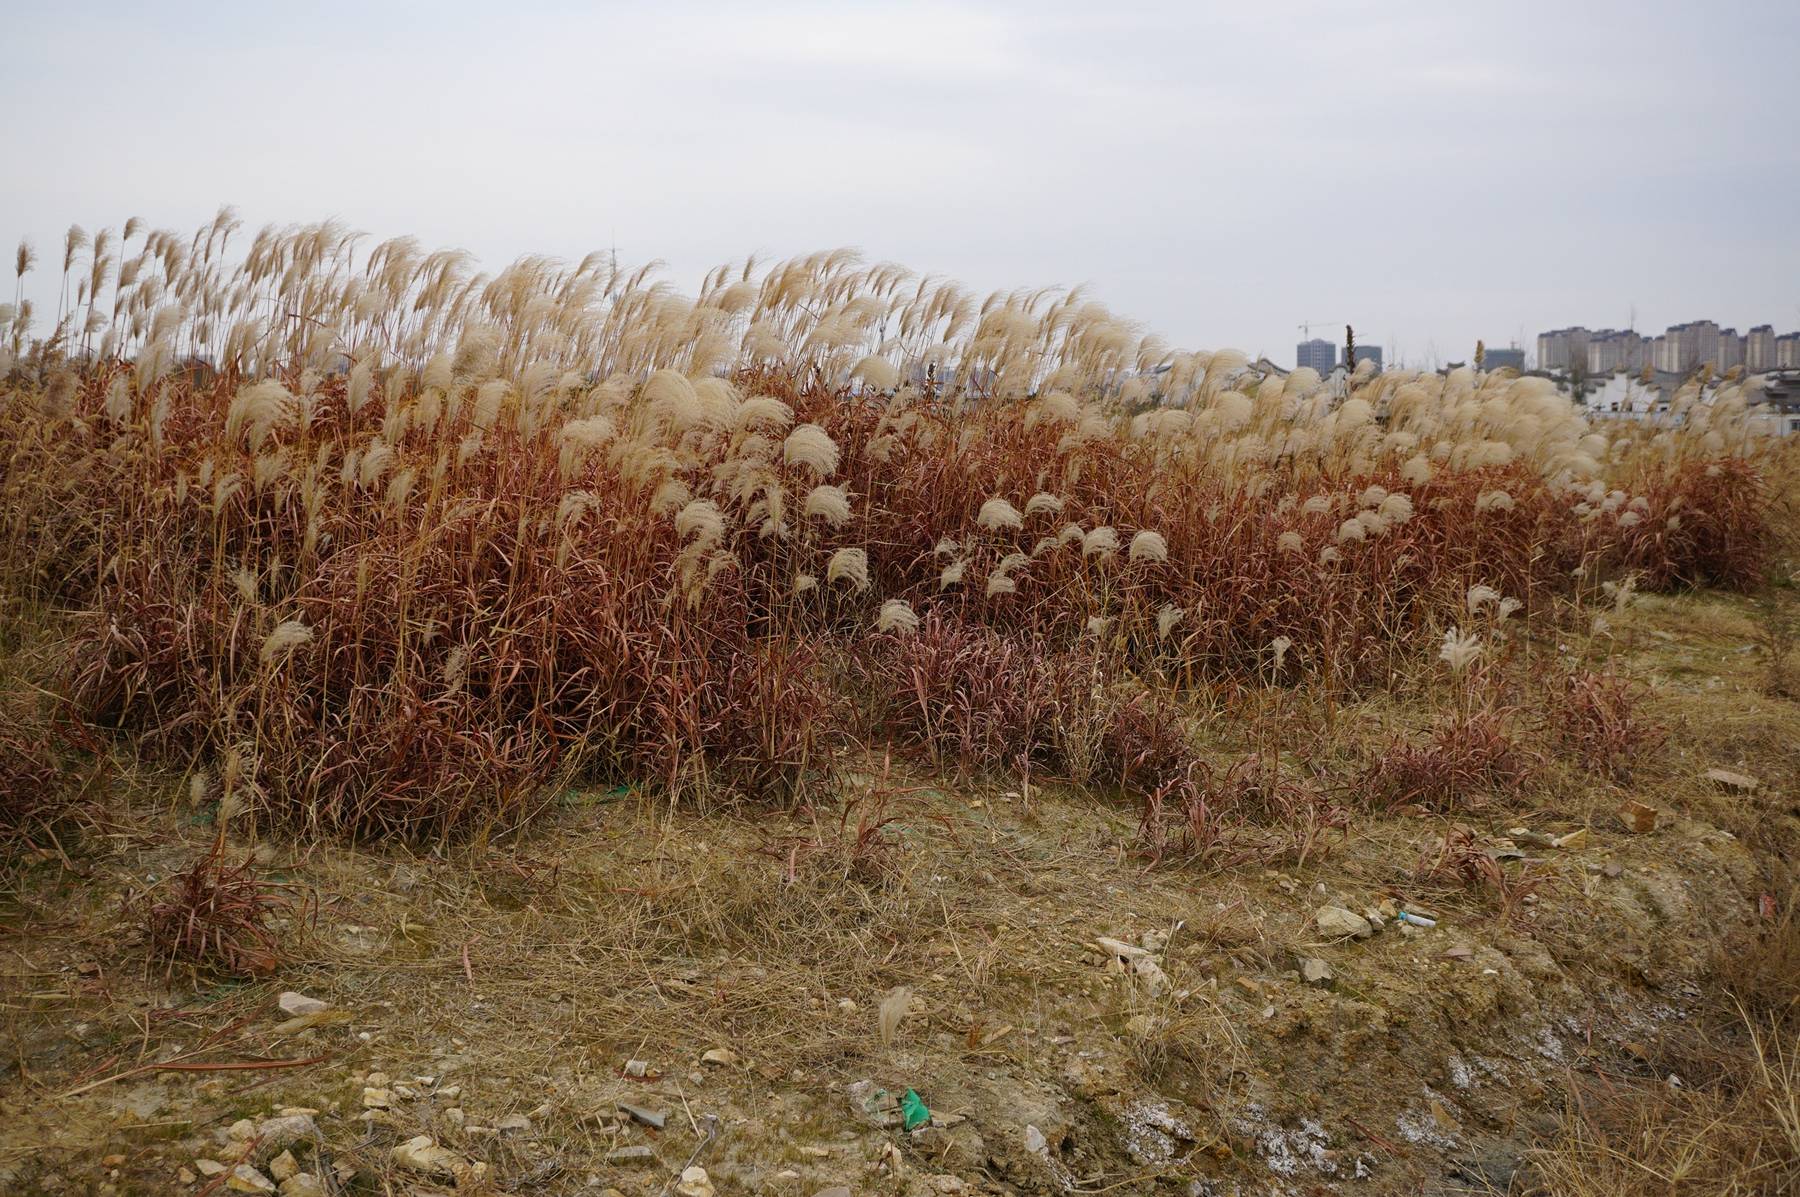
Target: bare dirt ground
(622,990)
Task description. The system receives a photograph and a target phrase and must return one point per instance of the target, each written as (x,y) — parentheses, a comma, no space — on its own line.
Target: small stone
(724,1057)
(1339,923)
(1575,840)
(1314,971)
(295,1005)
(787,1174)
(242,1129)
(638,1155)
(245,1179)
(278,1134)
(112,1161)
(422,1154)
(652,1118)
(838,1190)
(946,1184)
(846,1006)
(453,1116)
(283,1166)
(377,1080)
(377,1099)
(1638,818)
(302,1184)
(449,1093)
(514,1124)
(637,1068)
(186,1175)
(695,1183)
(1737,783)
(209,1167)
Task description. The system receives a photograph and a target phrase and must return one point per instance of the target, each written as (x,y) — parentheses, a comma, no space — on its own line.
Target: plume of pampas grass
(1101,541)
(671,494)
(257,410)
(1278,651)
(896,616)
(288,635)
(892,1012)
(672,401)
(1318,505)
(702,521)
(1148,546)
(998,583)
(804,583)
(877,373)
(1351,530)
(997,513)
(952,574)
(589,432)
(1493,500)
(1290,542)
(766,412)
(1480,596)
(1167,618)
(1396,509)
(1044,502)
(811,447)
(850,566)
(1460,650)
(828,503)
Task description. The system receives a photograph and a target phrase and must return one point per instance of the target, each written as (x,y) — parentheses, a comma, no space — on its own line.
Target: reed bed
(393,544)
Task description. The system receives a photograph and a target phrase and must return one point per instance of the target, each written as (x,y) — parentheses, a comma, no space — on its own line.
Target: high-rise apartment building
(1317,353)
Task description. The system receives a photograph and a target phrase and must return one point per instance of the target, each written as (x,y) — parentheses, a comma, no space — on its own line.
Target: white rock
(1741,783)
(302,1184)
(280,1133)
(295,1004)
(245,1179)
(377,1099)
(722,1056)
(422,1154)
(1339,923)
(695,1183)
(283,1166)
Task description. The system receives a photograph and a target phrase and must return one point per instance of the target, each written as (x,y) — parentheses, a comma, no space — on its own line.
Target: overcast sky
(1430,172)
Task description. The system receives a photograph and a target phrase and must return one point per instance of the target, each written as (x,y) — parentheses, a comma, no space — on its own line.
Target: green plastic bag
(913,1113)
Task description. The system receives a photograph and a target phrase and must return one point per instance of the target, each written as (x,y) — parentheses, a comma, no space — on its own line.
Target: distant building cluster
(1323,356)
(1683,349)
(1511,357)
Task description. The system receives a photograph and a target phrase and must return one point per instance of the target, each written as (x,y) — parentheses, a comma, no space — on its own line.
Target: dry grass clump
(1467,759)
(1594,717)
(30,781)
(219,918)
(414,541)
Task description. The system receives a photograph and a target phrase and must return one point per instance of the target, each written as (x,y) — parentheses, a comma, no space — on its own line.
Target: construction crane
(1306,326)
